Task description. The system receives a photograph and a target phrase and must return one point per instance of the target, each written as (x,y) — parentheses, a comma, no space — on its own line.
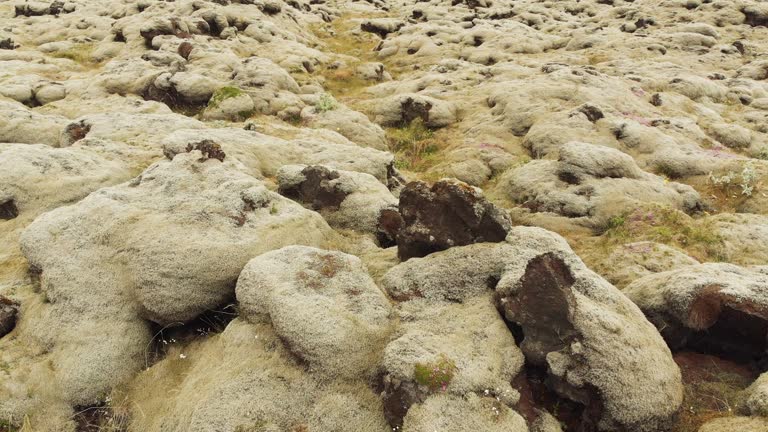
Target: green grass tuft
(668,226)
(414,146)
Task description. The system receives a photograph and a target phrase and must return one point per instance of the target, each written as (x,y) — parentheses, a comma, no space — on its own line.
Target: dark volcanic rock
(541,307)
(588,341)
(7,43)
(450,213)
(755,15)
(382,26)
(38,9)
(389,224)
(209,149)
(8,210)
(317,189)
(8,313)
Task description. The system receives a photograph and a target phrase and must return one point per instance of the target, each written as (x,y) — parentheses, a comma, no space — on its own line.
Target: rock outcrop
(163,248)
(592,184)
(718,308)
(566,315)
(448,213)
(346,199)
(341,215)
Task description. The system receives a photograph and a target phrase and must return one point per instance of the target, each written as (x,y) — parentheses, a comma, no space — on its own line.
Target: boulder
(631,261)
(263,155)
(730,424)
(352,125)
(322,304)
(234,108)
(444,348)
(263,73)
(756,396)
(18,124)
(402,109)
(137,129)
(755,15)
(455,414)
(346,199)
(713,307)
(382,26)
(453,275)
(591,184)
(447,214)
(255,386)
(596,346)
(50,93)
(164,247)
(35,178)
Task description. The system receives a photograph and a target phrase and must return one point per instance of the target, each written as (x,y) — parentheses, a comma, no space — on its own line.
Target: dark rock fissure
(736,336)
(398,399)
(172,98)
(210,322)
(9,311)
(8,210)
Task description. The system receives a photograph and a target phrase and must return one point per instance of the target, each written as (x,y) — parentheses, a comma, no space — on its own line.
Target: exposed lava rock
(8,210)
(6,43)
(450,213)
(209,149)
(9,311)
(346,199)
(756,15)
(316,190)
(38,9)
(542,307)
(577,328)
(74,132)
(382,26)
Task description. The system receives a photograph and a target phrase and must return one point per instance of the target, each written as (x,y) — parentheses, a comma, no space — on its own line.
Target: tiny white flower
(182,356)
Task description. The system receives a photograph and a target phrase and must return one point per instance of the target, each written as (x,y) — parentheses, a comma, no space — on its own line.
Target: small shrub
(762,153)
(436,375)
(616,222)
(325,103)
(746,180)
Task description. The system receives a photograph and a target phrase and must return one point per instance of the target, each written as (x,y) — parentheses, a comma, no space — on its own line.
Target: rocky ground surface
(384,215)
